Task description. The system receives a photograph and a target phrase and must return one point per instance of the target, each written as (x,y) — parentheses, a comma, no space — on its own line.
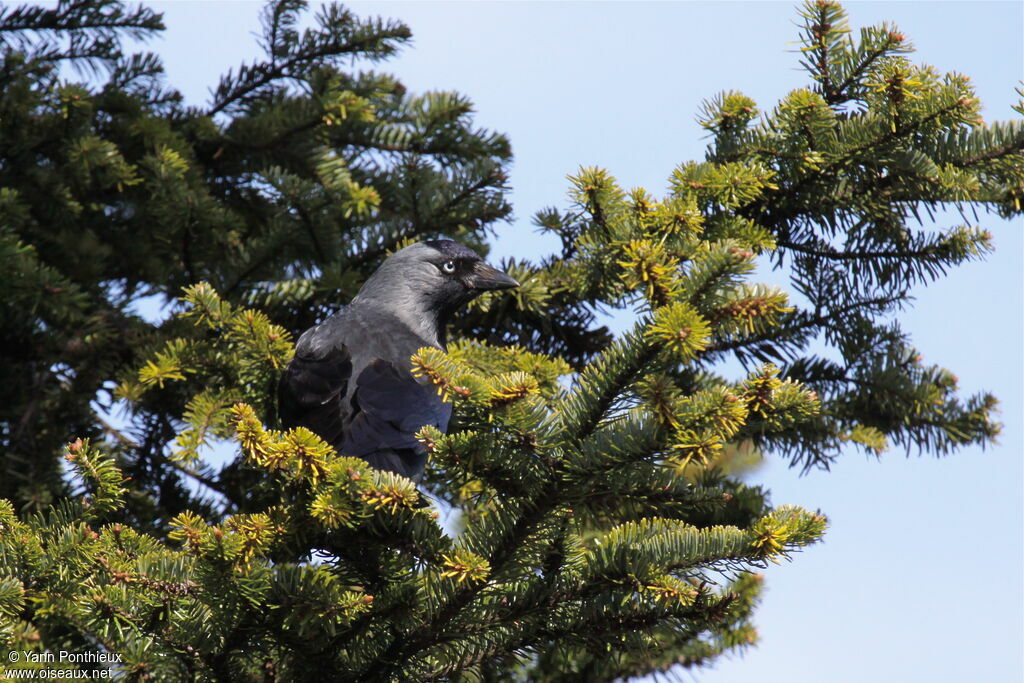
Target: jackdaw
(350,381)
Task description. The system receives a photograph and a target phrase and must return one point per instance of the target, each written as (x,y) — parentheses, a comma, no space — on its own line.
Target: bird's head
(432,279)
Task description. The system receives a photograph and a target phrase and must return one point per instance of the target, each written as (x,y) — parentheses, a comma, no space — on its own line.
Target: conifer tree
(600,533)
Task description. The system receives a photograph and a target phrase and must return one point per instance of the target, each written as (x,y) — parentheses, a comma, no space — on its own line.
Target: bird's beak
(486,277)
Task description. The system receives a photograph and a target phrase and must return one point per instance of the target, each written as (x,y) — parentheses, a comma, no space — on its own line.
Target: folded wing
(312,392)
(379,419)
(388,407)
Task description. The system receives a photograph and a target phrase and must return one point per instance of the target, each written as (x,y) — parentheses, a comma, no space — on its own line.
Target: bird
(350,381)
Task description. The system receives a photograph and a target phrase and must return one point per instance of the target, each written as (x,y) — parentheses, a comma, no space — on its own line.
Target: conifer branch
(334,40)
(833,254)
(994,153)
(773,204)
(838,95)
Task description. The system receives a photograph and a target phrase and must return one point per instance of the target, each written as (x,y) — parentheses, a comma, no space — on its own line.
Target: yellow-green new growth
(299,453)
(463,565)
(680,330)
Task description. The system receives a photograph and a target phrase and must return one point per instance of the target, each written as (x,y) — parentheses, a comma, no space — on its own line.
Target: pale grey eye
(449,267)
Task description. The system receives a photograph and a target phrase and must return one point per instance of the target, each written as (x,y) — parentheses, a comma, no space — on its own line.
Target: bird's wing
(312,391)
(389,407)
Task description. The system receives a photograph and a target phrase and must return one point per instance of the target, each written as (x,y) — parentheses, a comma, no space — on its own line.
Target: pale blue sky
(920,576)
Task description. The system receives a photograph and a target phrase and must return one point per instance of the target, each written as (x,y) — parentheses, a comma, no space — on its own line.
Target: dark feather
(311,392)
(350,381)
